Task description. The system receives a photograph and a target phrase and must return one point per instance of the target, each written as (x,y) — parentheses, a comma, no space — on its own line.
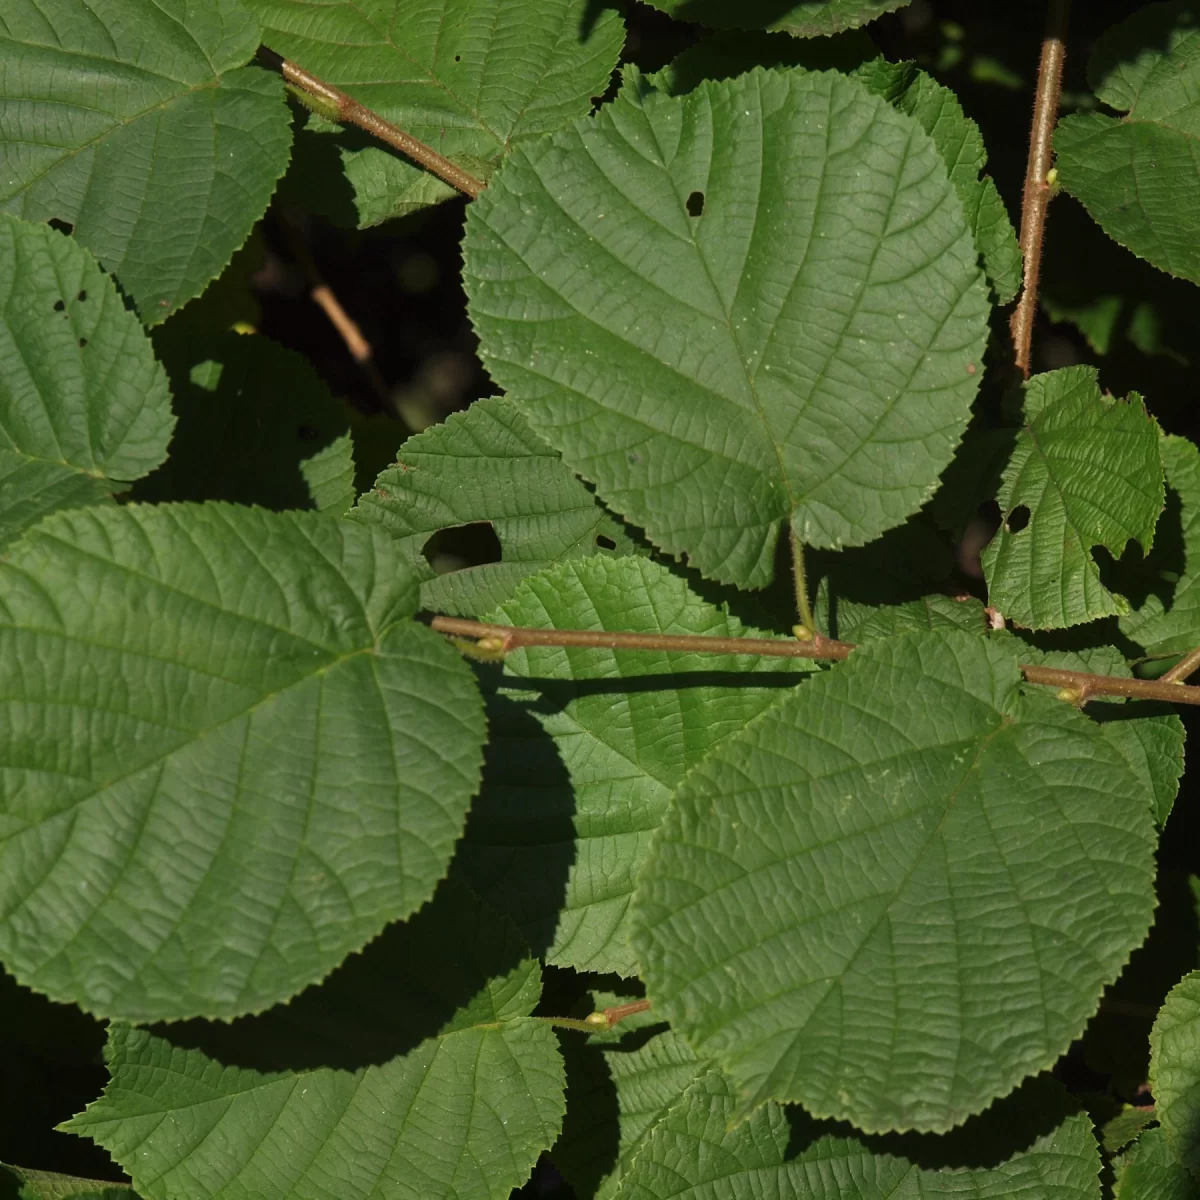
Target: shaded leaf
(257,425)
(84,408)
(931,613)
(1032,1146)
(1149,1171)
(486,464)
(1167,620)
(801,18)
(471,79)
(140,125)
(587,744)
(1175,1070)
(1137,174)
(588,301)
(1086,472)
(228,759)
(1117,1132)
(616,1094)
(892,913)
(46,1185)
(463,1111)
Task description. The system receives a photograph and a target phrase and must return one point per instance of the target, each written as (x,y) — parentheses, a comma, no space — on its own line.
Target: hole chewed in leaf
(1018,519)
(462,546)
(695,204)
(605,542)
(60,306)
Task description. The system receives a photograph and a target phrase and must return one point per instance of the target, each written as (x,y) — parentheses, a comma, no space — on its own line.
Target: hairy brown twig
(350,112)
(1079,686)
(1036,199)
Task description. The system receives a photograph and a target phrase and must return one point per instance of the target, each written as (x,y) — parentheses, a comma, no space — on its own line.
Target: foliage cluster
(759,860)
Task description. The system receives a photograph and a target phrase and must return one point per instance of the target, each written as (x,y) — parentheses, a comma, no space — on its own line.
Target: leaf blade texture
(84,407)
(806,18)
(470,79)
(123,118)
(486,464)
(785,355)
(1175,1070)
(1042,1152)
(202,812)
(408,1073)
(583,757)
(1086,471)
(1136,174)
(849,905)
(1148,1170)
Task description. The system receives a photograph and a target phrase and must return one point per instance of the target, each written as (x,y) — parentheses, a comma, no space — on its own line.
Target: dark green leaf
(1175,1070)
(801,18)
(893,912)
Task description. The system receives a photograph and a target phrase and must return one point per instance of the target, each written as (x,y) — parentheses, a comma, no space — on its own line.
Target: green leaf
(914,92)
(84,408)
(257,425)
(960,144)
(801,18)
(930,613)
(139,124)
(893,912)
(45,1185)
(587,745)
(1137,174)
(1033,1146)
(1086,472)
(228,759)
(471,79)
(1150,739)
(460,1093)
(1175,1069)
(636,1080)
(1117,1132)
(810,359)
(487,465)
(1167,620)
(1149,1171)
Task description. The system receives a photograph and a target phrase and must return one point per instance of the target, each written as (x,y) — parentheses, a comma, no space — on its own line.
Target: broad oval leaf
(893,912)
(754,303)
(471,78)
(1175,1069)
(587,745)
(139,124)
(487,465)
(84,407)
(460,1092)
(226,758)
(801,18)
(1033,1146)
(1086,471)
(1137,173)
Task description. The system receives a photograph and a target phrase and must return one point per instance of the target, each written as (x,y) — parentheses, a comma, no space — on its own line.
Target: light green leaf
(1175,1069)
(487,465)
(45,1185)
(892,913)
(84,408)
(805,350)
(471,78)
(460,1103)
(960,144)
(1086,472)
(257,425)
(227,760)
(635,1080)
(937,109)
(1148,1170)
(1033,1146)
(801,18)
(1137,174)
(139,124)
(583,757)
(1167,619)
